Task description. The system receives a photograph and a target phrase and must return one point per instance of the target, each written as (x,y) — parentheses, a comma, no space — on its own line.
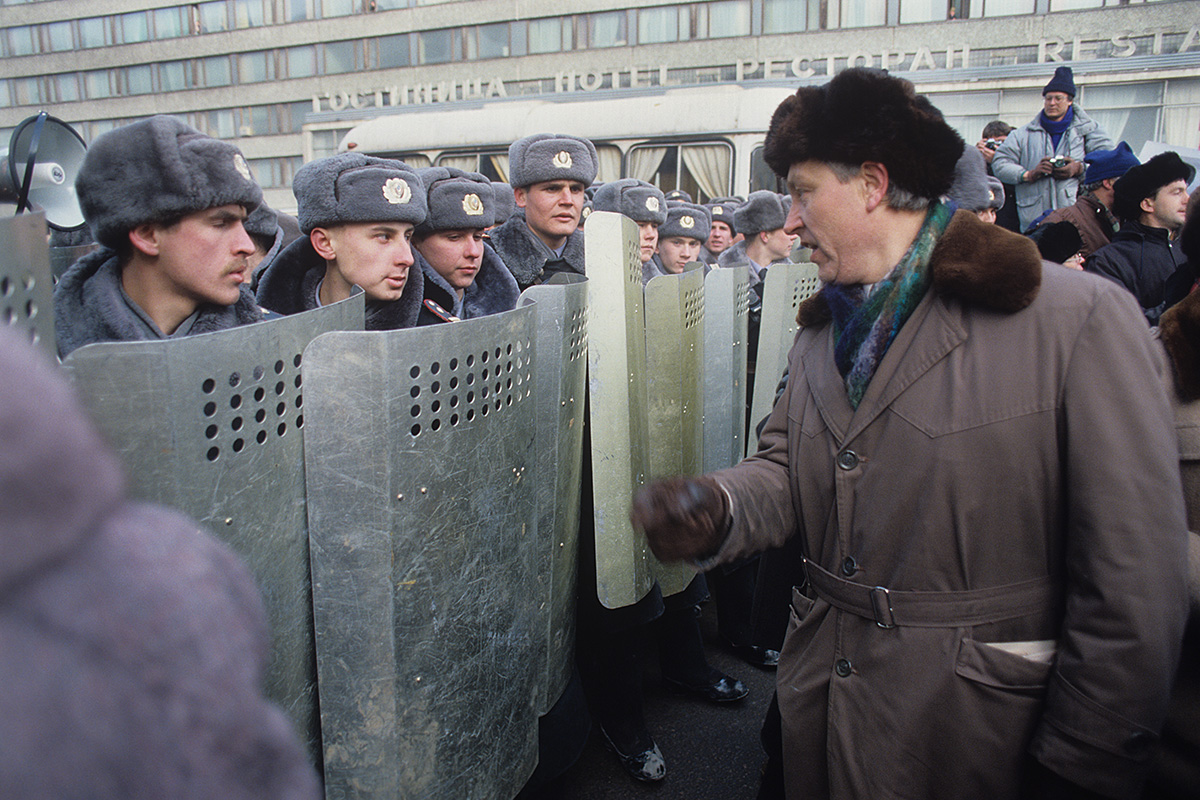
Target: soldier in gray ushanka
(640,201)
(679,240)
(721,233)
(463,276)
(358,214)
(548,173)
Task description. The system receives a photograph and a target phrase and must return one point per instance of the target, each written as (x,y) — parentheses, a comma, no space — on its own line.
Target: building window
(301,61)
(132,28)
(786,16)
(489,41)
(546,35)
(923,11)
(211,17)
(435,47)
(297,10)
(337,8)
(216,71)
(94,32)
(96,85)
(66,87)
(169,23)
(255,67)
(27,91)
(21,41)
(139,80)
(1073,5)
(607,29)
(339,57)
(219,123)
(1000,8)
(274,173)
(658,25)
(392,51)
(863,13)
(174,76)
(58,37)
(702,169)
(723,19)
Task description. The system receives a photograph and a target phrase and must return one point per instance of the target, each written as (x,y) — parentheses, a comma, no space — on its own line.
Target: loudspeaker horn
(38,170)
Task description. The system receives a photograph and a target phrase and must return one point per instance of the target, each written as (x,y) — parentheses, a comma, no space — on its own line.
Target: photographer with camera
(994,134)
(1044,158)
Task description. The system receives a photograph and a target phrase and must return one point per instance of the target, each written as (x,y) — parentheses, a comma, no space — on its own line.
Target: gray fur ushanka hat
(638,200)
(866,115)
(723,212)
(551,157)
(158,170)
(763,210)
(685,219)
(352,187)
(457,199)
(505,203)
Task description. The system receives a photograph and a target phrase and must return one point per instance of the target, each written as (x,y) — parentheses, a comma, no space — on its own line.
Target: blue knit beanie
(1063,81)
(1108,163)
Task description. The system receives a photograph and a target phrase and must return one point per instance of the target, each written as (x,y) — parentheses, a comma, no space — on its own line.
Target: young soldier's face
(203,256)
(648,237)
(719,238)
(552,208)
(373,255)
(1168,206)
(456,255)
(676,251)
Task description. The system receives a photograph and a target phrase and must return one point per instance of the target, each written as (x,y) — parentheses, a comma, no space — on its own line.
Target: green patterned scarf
(864,326)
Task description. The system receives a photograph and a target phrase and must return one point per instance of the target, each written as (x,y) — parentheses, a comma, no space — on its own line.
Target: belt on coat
(950,609)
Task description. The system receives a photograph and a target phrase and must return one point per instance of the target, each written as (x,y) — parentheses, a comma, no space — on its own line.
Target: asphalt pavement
(712,751)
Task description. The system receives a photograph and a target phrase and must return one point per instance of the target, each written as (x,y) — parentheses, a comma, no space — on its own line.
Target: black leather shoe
(722,689)
(755,656)
(647,765)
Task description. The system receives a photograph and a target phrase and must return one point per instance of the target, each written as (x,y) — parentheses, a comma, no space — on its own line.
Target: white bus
(705,140)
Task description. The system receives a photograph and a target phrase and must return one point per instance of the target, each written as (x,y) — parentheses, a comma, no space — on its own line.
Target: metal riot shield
(559,373)
(726,311)
(212,425)
(26,287)
(617,410)
(423,520)
(675,325)
(786,286)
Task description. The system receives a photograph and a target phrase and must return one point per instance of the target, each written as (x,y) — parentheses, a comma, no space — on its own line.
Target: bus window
(493,165)
(701,169)
(762,176)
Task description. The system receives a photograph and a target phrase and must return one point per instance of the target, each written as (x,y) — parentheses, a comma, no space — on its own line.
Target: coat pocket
(1023,666)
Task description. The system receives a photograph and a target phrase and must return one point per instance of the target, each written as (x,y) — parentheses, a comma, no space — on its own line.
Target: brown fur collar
(1179,330)
(976,262)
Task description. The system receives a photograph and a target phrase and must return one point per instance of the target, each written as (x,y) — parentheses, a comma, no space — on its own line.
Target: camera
(1059,161)
(991,144)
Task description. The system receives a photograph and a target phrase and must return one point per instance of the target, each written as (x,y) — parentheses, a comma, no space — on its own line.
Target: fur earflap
(1144,180)
(1179,330)
(866,115)
(974,261)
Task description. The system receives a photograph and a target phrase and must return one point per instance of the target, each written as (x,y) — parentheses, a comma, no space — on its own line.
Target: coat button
(843,668)
(849,566)
(847,459)
(1138,743)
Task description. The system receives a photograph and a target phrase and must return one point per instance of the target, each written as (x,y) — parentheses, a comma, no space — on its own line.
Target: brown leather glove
(684,518)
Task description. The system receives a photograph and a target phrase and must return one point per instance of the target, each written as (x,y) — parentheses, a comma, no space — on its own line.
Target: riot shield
(26,287)
(617,397)
(212,425)
(423,520)
(675,324)
(726,310)
(786,286)
(559,373)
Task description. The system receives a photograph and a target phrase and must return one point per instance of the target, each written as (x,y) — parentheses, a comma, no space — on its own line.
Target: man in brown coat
(1092,213)
(978,458)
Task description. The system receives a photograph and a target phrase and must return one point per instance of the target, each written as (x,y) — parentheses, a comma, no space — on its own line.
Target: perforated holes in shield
(18,309)
(250,406)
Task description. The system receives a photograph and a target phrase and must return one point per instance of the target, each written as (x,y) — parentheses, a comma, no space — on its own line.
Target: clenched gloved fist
(683,518)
